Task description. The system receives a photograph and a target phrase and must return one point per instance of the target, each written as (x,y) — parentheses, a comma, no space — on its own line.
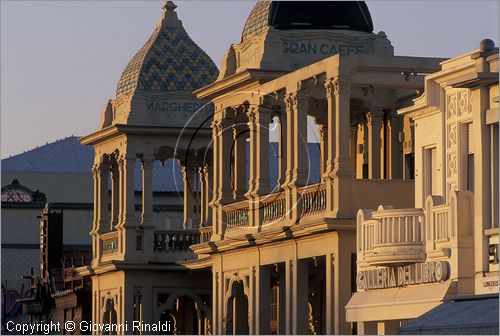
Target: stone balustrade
(389,237)
(274,208)
(236,215)
(175,240)
(109,242)
(206,234)
(313,199)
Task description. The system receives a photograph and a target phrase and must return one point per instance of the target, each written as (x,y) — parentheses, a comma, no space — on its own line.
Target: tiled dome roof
(169,61)
(352,15)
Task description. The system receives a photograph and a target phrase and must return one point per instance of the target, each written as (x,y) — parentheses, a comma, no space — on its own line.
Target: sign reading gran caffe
(400,276)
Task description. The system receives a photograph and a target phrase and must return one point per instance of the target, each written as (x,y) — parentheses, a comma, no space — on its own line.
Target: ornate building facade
(446,248)
(135,268)
(276,252)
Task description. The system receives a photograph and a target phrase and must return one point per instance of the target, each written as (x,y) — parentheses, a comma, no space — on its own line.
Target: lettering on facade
(400,276)
(490,284)
(181,107)
(321,48)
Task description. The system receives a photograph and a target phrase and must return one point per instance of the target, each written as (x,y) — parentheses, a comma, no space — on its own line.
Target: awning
(395,303)
(476,315)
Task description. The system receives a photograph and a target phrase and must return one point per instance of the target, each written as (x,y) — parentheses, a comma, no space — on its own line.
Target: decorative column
(258,122)
(393,151)
(126,239)
(282,149)
(147,204)
(296,297)
(239,166)
(188,174)
(323,137)
(374,124)
(205,173)
(342,171)
(262,303)
(330,146)
(222,159)
(103,177)
(96,246)
(296,174)
(360,149)
(213,204)
(353,138)
(115,195)
(330,293)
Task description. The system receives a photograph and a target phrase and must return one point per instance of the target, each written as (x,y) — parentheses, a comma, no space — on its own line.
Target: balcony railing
(205,234)
(236,215)
(175,240)
(391,237)
(274,208)
(109,242)
(313,199)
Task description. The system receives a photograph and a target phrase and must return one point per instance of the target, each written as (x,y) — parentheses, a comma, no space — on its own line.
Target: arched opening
(237,311)
(182,318)
(109,317)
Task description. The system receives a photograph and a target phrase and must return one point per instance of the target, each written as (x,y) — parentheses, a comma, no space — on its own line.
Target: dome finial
(169,18)
(169,6)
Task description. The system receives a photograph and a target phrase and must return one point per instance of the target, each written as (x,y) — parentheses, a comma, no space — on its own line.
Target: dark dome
(283,15)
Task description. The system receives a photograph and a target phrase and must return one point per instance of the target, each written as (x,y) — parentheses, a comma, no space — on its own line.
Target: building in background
(283,253)
(411,260)
(61,173)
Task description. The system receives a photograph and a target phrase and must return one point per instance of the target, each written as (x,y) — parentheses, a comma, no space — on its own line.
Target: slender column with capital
(374,124)
(103,176)
(330,293)
(188,174)
(296,292)
(258,122)
(300,108)
(147,191)
(222,159)
(353,137)
(342,172)
(360,149)
(115,195)
(127,170)
(239,166)
(215,178)
(330,145)
(147,204)
(394,151)
(323,134)
(126,239)
(95,225)
(204,194)
(296,175)
(282,149)
(225,143)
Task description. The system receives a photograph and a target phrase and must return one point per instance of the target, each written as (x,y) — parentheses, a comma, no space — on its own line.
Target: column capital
(336,86)
(372,117)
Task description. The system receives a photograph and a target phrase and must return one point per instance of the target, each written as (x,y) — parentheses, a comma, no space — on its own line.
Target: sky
(61,60)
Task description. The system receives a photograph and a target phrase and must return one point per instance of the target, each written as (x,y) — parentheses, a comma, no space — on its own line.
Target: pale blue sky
(61,60)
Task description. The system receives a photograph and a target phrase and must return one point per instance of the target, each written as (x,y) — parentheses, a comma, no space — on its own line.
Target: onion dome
(285,15)
(170,61)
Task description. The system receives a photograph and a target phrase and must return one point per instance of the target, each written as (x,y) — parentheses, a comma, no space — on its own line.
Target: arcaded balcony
(388,237)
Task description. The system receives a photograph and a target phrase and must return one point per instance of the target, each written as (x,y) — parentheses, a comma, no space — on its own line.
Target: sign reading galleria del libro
(413,274)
